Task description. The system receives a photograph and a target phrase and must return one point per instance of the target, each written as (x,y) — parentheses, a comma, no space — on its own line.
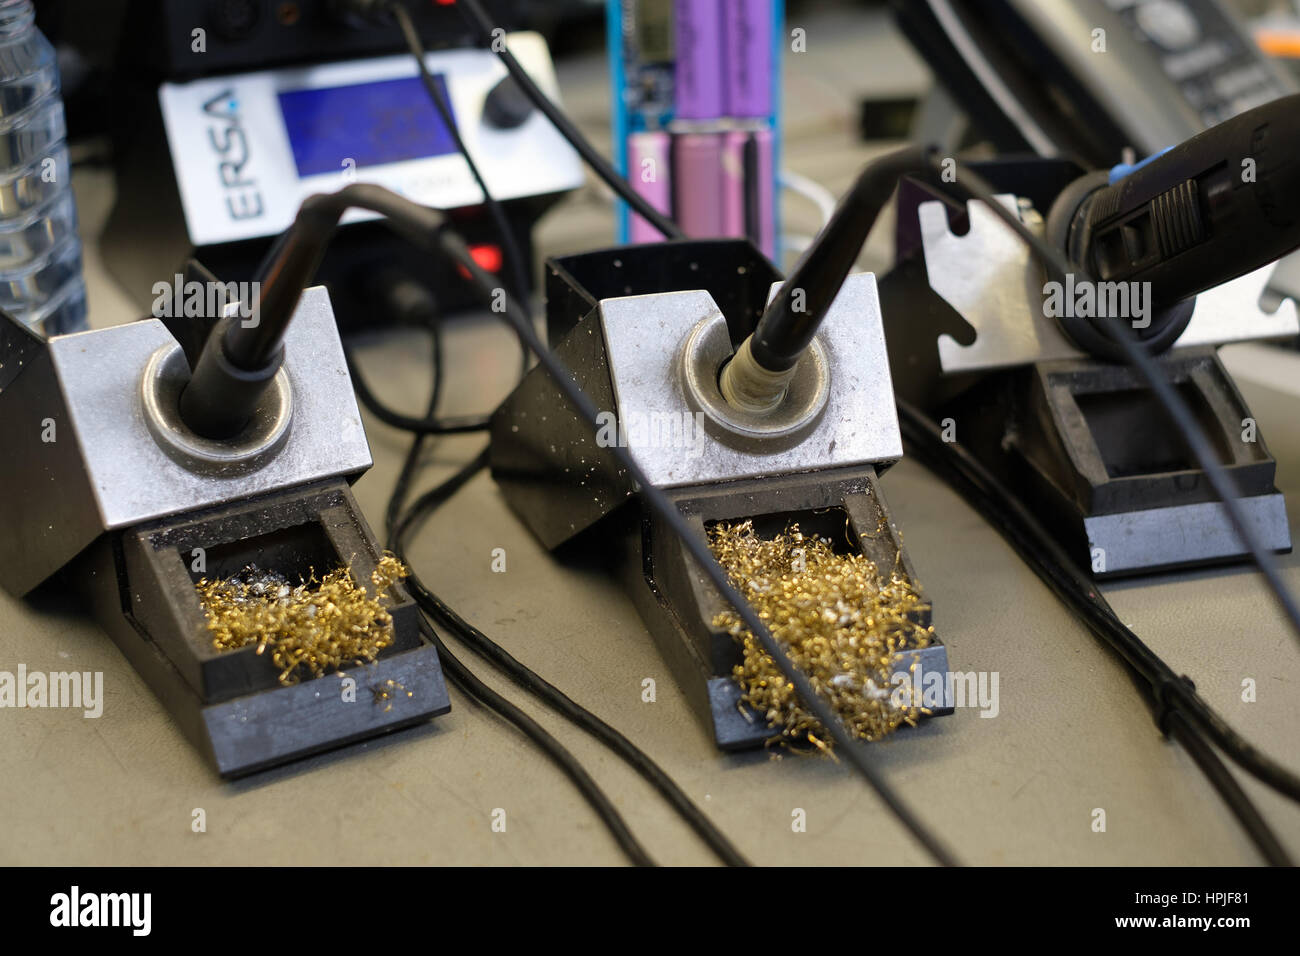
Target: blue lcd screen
(370,123)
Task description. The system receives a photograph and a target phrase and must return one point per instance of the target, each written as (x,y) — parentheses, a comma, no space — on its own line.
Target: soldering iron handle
(791,319)
(252,345)
(239,360)
(1217,206)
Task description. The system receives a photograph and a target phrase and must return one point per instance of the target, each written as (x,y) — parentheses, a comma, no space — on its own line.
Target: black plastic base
(679,606)
(230,703)
(1087,446)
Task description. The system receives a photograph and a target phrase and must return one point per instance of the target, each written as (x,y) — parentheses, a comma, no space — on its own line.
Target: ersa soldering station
(715,430)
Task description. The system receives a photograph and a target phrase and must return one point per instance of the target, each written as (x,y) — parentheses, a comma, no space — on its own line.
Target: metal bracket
(989,278)
(646,340)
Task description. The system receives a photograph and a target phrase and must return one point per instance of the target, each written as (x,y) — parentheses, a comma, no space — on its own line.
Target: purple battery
(747,28)
(697,176)
(650,172)
(699,88)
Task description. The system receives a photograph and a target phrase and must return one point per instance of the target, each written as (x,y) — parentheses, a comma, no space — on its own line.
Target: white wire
(796,243)
(809,189)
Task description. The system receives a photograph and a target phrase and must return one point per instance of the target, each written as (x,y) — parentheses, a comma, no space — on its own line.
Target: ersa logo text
(229,140)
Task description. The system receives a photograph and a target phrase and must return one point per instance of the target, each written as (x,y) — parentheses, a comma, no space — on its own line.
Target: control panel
(248,148)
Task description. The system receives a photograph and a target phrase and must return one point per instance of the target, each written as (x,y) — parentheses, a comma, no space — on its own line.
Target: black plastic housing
(141,585)
(680,606)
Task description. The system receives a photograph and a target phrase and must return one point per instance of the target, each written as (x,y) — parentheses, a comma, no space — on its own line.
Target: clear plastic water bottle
(40,251)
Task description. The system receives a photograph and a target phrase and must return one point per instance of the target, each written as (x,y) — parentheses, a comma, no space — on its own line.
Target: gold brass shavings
(841,621)
(389,691)
(311,628)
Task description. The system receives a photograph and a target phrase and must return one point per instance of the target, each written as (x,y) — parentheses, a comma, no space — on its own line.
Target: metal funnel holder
(1082,440)
(107,490)
(650,360)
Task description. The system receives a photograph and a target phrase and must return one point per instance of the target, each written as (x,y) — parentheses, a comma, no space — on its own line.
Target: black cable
(410,464)
(397,528)
(463,677)
(1242,752)
(801,303)
(434,498)
(1170,401)
(514,256)
(1238,803)
(301,251)
(425,226)
(489,36)
(454,247)
(583,718)
(298,252)
(1179,711)
(428,425)
(1046,556)
(295,255)
(445,490)
(479,642)
(851,747)
(238,361)
(470,684)
(535,684)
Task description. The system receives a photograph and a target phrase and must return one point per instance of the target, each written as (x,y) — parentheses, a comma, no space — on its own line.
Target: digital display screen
(370,123)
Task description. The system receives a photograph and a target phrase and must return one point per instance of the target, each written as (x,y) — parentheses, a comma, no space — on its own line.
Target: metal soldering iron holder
(105,492)
(645,330)
(1082,441)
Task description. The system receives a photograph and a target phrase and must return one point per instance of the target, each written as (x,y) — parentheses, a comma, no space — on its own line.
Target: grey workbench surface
(1071,734)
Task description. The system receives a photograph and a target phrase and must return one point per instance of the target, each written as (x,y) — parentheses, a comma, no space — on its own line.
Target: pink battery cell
(697,184)
(732,183)
(650,170)
(747,188)
(722,186)
(760,176)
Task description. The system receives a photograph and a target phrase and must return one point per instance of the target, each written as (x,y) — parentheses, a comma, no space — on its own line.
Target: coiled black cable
(1179,711)
(490,35)
(467,681)
(538,686)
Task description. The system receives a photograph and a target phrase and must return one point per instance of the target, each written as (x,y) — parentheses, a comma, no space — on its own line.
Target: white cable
(796,243)
(809,189)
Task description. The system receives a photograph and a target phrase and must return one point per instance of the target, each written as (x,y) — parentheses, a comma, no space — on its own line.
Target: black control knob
(234,20)
(506,106)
